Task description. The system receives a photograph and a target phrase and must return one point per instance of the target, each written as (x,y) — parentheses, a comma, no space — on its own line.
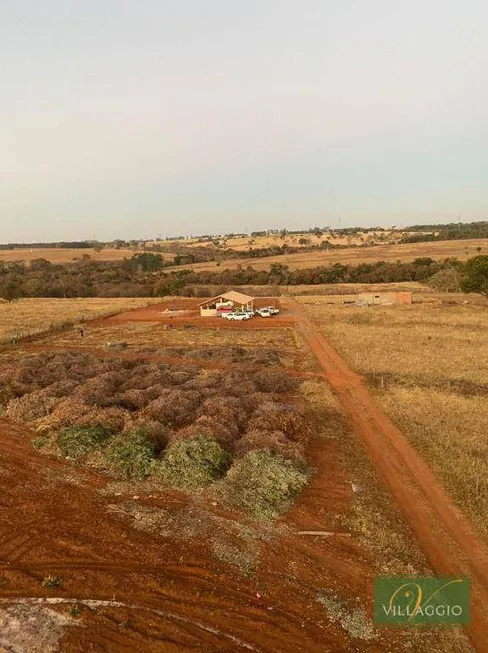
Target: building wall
(386,298)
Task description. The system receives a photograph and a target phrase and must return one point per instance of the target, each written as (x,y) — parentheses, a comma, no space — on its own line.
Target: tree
(446,280)
(476,279)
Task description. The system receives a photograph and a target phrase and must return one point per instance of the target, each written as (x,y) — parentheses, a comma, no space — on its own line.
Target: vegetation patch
(129,455)
(194,463)
(78,441)
(353,620)
(264,484)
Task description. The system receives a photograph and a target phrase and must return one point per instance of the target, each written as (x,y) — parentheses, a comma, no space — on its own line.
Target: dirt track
(443,531)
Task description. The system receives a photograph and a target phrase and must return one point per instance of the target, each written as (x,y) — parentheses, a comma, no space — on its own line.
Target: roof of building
(231,296)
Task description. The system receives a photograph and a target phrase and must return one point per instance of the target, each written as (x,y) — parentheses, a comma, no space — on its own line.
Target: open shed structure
(225,302)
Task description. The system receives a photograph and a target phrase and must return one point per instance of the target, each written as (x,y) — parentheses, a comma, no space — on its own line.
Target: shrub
(156,433)
(30,407)
(52,581)
(275,379)
(129,455)
(173,407)
(194,463)
(78,441)
(114,419)
(273,441)
(226,410)
(280,417)
(263,484)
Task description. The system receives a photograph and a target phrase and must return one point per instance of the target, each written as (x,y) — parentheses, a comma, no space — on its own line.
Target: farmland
(27,317)
(181,543)
(428,366)
(461,249)
(63,255)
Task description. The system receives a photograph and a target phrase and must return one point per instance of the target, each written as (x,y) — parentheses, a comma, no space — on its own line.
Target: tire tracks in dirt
(444,533)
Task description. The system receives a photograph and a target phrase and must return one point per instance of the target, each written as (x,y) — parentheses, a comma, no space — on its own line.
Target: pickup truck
(264,312)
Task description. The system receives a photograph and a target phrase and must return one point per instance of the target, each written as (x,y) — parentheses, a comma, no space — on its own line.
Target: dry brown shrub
(173,407)
(274,441)
(156,433)
(64,414)
(281,417)
(204,381)
(101,389)
(30,407)
(132,399)
(113,418)
(207,427)
(154,392)
(275,379)
(227,410)
(63,388)
(237,383)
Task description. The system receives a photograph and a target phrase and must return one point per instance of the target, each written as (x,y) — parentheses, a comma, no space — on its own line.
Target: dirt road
(444,533)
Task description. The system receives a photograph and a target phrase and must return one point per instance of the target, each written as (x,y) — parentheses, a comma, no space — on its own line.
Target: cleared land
(461,249)
(60,255)
(428,365)
(170,566)
(27,317)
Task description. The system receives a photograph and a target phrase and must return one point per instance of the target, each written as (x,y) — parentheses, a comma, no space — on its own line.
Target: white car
(273,310)
(238,315)
(264,312)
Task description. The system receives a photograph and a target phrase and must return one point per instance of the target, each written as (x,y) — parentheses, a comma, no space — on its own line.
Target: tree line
(144,275)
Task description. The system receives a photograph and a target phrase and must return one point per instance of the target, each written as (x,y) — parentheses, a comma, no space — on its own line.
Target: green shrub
(78,441)
(264,484)
(129,455)
(194,463)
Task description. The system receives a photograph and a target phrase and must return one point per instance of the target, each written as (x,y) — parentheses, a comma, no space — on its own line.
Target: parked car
(273,310)
(250,311)
(264,312)
(238,315)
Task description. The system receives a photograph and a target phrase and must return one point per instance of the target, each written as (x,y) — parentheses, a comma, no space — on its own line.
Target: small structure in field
(384,298)
(226,302)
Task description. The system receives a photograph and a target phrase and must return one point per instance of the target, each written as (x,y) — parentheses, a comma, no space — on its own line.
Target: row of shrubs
(262,483)
(190,428)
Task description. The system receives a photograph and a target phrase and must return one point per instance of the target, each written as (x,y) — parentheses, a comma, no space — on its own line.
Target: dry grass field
(243,243)
(461,249)
(428,364)
(59,255)
(27,317)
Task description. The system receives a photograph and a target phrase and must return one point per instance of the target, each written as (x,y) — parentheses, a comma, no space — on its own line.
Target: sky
(124,119)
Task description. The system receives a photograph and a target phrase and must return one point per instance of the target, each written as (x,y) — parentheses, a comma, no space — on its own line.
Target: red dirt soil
(175,594)
(442,530)
(162,313)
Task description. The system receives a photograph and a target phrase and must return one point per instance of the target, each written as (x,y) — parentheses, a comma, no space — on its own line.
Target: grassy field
(428,365)
(26,317)
(59,255)
(461,249)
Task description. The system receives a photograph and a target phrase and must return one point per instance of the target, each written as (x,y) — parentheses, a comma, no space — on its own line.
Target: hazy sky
(142,118)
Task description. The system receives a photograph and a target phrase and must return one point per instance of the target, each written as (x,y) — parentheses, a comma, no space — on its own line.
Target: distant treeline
(144,275)
(452,231)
